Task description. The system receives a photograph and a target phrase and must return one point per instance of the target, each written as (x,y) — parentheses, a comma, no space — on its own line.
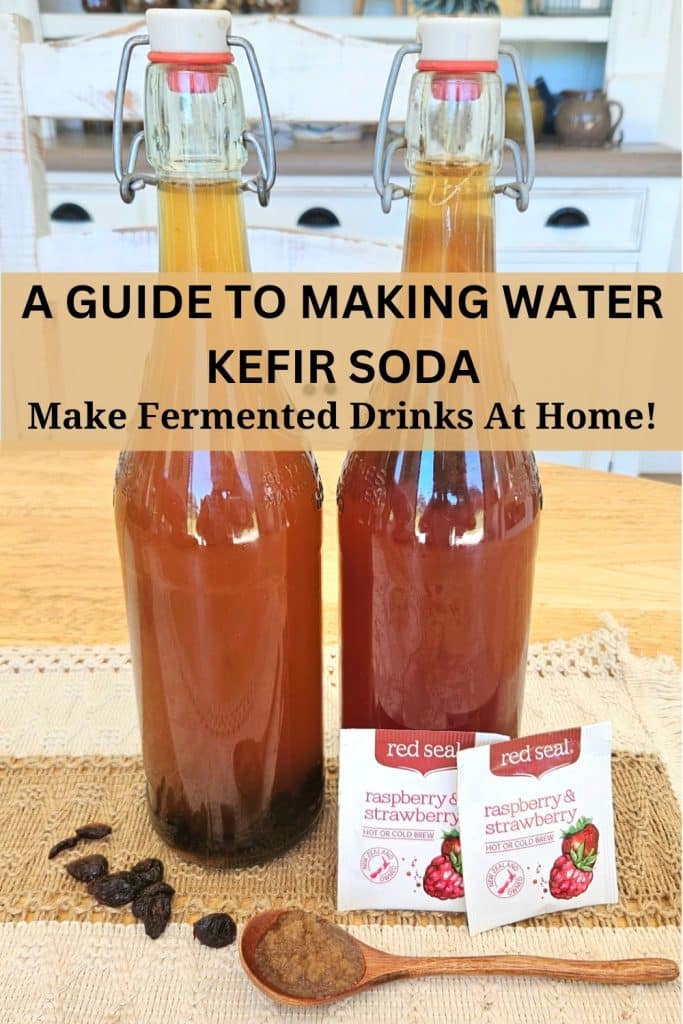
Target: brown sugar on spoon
(304,955)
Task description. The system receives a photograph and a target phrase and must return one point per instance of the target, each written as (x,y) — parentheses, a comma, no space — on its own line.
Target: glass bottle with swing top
(220,550)
(437,548)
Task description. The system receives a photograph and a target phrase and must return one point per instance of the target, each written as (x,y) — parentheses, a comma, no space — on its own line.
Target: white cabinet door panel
(574,219)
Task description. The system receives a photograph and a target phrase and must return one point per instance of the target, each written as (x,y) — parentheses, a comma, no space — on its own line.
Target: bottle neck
(454,130)
(450,226)
(202,227)
(194,129)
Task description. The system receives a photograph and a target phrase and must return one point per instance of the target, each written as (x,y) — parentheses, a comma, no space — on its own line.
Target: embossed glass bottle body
(220,550)
(437,548)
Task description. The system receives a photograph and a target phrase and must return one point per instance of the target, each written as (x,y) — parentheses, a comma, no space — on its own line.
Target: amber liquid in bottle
(437,548)
(221,566)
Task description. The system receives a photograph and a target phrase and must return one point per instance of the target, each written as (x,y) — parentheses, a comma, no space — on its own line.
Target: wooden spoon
(381,967)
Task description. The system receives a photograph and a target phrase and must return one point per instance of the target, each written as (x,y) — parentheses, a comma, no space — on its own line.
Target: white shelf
(548,29)
(395,30)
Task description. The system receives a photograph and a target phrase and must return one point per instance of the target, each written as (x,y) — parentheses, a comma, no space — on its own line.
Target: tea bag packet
(399,841)
(537,826)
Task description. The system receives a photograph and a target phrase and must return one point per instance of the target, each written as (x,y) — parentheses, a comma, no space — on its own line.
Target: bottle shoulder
(215,495)
(437,497)
(494,472)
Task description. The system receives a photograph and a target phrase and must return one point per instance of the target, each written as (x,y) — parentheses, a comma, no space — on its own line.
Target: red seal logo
(379,865)
(505,879)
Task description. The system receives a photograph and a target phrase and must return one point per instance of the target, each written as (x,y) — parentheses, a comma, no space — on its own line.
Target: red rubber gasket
(159,57)
(457,65)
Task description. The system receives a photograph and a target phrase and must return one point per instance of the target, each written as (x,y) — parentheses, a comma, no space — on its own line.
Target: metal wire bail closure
(381,167)
(525,163)
(131,182)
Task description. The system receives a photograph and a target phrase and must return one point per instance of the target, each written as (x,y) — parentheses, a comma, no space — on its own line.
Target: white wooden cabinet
(617,224)
(609,224)
(84,200)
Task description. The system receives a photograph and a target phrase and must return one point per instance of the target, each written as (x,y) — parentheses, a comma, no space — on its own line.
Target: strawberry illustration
(571,875)
(582,837)
(451,843)
(443,878)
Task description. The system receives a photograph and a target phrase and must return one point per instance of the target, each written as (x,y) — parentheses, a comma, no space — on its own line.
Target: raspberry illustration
(582,837)
(451,843)
(570,876)
(443,878)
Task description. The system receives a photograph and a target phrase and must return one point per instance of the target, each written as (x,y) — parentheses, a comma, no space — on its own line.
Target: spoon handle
(644,971)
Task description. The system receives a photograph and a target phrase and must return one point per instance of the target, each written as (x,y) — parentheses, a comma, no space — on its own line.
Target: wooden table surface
(608,543)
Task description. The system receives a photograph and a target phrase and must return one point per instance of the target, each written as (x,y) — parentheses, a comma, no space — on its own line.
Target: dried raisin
(63,844)
(149,871)
(215,930)
(115,890)
(143,899)
(87,869)
(95,830)
(157,915)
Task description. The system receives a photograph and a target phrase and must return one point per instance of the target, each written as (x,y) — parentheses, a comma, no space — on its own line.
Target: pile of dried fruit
(143,887)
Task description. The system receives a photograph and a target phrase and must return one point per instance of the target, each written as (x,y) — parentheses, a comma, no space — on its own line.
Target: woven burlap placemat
(69,751)
(44,799)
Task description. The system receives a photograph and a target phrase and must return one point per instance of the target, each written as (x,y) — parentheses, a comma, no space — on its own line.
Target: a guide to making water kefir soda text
(456,362)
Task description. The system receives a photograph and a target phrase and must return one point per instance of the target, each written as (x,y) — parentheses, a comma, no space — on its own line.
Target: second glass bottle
(438,547)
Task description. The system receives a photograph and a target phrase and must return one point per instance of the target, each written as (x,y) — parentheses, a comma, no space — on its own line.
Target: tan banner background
(608,376)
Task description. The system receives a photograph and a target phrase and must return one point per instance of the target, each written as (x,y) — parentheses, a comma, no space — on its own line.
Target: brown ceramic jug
(584,118)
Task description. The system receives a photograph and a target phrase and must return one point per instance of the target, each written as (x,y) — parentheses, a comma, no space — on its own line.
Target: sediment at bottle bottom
(289,817)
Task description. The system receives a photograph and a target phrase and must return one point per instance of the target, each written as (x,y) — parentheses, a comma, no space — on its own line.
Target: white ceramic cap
(187,31)
(459,39)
